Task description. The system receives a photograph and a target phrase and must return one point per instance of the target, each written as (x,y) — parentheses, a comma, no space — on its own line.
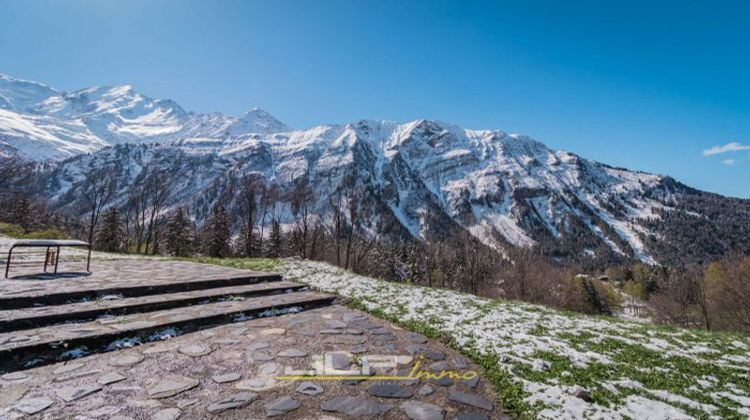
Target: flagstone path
(232,371)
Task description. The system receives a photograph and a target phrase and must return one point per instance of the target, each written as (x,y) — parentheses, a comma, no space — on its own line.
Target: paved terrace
(216,350)
(125,276)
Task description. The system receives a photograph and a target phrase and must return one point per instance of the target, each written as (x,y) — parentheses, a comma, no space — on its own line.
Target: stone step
(23,293)
(40,316)
(44,345)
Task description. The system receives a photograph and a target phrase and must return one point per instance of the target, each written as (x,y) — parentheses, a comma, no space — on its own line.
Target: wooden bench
(52,254)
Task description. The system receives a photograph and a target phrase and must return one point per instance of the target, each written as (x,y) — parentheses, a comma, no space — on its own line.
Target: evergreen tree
(276,248)
(18,210)
(216,233)
(179,235)
(110,235)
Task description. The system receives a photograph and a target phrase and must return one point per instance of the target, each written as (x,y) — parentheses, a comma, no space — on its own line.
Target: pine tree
(179,235)
(110,235)
(276,240)
(18,210)
(216,233)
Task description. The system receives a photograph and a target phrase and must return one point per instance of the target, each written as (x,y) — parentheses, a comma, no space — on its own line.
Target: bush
(635,290)
(15,231)
(46,234)
(607,292)
(576,298)
(11,230)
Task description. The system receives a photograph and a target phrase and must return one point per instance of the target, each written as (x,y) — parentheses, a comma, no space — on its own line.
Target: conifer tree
(19,210)
(179,235)
(276,240)
(216,233)
(110,235)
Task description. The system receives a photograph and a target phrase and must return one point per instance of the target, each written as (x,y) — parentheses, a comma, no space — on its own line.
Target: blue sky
(659,86)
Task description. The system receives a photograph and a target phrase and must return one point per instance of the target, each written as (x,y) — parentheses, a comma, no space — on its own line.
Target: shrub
(607,292)
(46,234)
(15,231)
(635,290)
(11,230)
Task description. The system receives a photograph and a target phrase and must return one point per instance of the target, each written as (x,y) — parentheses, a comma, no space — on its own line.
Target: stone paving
(134,322)
(40,315)
(126,273)
(232,371)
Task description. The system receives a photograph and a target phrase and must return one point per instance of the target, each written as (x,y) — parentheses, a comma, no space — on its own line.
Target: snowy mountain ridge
(421,179)
(42,123)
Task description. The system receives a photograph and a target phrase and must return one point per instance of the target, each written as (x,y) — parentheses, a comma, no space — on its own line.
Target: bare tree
(361,250)
(702,296)
(147,199)
(251,190)
(268,202)
(519,275)
(336,203)
(675,301)
(317,240)
(729,294)
(438,260)
(474,262)
(99,186)
(137,216)
(301,199)
(528,276)
(358,243)
(354,213)
(159,187)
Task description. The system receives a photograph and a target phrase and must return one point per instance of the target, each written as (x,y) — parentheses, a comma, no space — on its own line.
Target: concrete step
(40,316)
(28,348)
(24,293)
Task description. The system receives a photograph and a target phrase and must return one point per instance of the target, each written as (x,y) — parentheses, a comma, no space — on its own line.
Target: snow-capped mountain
(42,123)
(420,180)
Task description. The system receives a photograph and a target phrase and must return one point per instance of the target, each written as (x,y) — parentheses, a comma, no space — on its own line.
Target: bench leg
(46,260)
(7,263)
(57,259)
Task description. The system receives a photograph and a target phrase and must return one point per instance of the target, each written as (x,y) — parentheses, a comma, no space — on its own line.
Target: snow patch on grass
(629,369)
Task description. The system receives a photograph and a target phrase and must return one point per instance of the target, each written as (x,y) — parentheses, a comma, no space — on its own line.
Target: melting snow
(511,332)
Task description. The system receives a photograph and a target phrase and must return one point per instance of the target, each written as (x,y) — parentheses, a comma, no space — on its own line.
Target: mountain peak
(23,95)
(121,90)
(257,112)
(256,120)
(104,91)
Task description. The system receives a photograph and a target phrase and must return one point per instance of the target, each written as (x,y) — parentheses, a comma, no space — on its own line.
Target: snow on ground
(631,370)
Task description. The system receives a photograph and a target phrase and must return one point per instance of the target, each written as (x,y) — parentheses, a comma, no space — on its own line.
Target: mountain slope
(43,137)
(42,123)
(420,180)
(423,179)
